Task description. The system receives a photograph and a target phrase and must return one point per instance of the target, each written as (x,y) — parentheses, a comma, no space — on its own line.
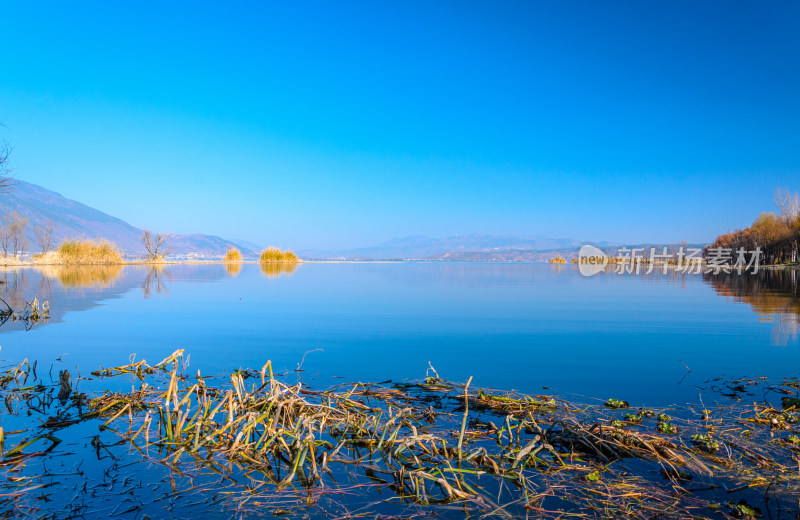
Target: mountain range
(71,219)
(466,248)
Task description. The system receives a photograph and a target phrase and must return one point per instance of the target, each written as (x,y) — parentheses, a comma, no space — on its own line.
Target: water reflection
(154,281)
(82,276)
(233,268)
(275,269)
(773,294)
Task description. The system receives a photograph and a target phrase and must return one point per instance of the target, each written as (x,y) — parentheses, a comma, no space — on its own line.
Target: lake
(650,339)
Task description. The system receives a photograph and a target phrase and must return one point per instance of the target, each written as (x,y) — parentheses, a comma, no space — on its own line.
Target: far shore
(6,263)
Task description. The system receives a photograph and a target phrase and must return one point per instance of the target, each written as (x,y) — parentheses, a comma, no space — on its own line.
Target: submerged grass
(413,449)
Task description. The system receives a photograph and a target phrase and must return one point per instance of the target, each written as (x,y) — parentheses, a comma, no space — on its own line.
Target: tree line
(13,235)
(776,235)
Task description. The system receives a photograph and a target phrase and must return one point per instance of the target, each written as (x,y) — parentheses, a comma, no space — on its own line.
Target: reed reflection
(82,276)
(276,269)
(233,268)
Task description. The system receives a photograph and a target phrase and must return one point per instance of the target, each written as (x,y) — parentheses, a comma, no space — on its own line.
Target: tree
(17,230)
(788,204)
(155,244)
(44,234)
(5,234)
(6,179)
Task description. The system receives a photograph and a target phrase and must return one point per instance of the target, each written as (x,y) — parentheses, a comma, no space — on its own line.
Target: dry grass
(84,252)
(413,450)
(273,254)
(233,255)
(437,442)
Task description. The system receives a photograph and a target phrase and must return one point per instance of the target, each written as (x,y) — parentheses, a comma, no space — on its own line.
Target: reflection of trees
(155,280)
(275,269)
(773,294)
(14,288)
(80,276)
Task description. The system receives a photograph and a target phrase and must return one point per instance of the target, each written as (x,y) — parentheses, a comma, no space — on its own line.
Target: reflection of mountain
(774,294)
(80,288)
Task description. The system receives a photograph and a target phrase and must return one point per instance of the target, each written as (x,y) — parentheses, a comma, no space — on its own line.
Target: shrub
(88,252)
(233,255)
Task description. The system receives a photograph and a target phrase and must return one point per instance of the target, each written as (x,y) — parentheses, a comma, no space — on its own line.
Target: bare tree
(44,234)
(17,230)
(6,178)
(155,244)
(5,234)
(788,203)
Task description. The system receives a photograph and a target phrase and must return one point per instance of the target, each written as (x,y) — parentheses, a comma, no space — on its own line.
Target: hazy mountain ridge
(72,219)
(471,247)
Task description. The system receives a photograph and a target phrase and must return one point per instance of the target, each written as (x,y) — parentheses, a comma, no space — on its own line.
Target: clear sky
(338,124)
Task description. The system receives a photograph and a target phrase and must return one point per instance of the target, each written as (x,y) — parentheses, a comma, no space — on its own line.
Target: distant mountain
(75,220)
(472,247)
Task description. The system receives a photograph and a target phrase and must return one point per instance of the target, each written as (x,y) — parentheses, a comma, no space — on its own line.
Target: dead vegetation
(411,449)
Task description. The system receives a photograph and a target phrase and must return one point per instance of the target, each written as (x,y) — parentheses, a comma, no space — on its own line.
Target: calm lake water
(510,326)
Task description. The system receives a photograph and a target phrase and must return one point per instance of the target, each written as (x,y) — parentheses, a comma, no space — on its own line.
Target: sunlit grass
(233,255)
(88,252)
(273,254)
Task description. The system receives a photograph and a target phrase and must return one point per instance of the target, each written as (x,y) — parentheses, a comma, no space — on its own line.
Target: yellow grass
(233,255)
(273,254)
(87,252)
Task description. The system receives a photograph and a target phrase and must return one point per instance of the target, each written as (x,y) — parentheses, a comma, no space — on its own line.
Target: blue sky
(338,124)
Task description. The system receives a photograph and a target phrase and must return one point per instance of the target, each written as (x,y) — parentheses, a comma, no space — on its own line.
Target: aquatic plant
(616,403)
(32,313)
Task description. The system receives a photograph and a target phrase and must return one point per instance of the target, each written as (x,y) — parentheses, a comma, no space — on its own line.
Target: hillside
(75,220)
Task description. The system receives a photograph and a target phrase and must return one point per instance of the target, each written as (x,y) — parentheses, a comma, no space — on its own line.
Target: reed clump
(87,252)
(273,255)
(233,255)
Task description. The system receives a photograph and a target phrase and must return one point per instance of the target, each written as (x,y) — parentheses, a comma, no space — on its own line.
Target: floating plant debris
(253,444)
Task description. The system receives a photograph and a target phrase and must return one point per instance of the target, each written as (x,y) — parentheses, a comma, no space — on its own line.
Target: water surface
(533,328)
